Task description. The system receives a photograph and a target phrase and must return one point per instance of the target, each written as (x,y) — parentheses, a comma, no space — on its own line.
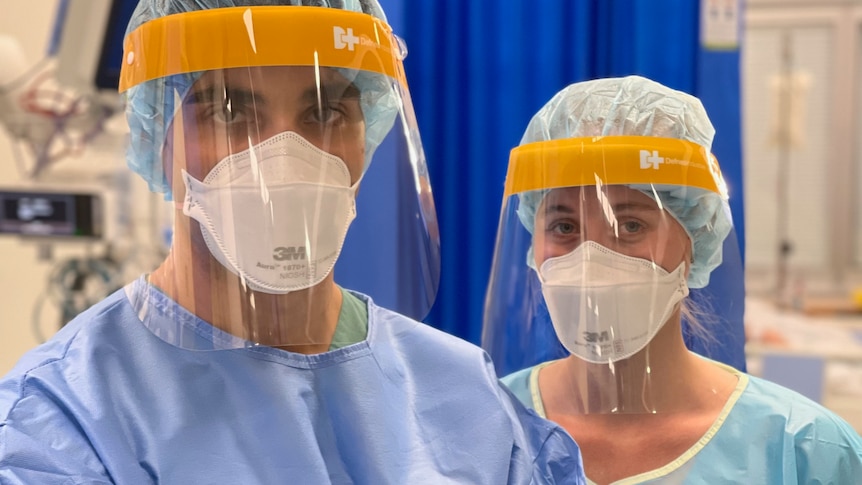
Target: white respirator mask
(276,214)
(606,306)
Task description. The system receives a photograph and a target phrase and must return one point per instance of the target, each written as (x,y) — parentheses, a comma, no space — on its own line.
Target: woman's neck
(664,376)
(619,413)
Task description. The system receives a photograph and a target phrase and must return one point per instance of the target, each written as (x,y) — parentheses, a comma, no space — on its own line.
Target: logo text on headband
(344,38)
(650,159)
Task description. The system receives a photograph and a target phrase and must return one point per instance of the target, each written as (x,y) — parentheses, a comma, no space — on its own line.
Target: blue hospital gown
(766,435)
(106,401)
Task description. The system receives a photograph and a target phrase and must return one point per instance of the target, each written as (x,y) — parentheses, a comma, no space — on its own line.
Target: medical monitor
(50,214)
(88,42)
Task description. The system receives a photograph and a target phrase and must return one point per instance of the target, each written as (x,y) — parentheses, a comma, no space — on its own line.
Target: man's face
(617,217)
(227,111)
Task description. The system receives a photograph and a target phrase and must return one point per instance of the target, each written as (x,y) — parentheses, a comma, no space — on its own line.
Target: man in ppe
(239,360)
(615,208)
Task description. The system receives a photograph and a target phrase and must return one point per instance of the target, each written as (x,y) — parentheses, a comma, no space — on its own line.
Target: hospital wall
(802,76)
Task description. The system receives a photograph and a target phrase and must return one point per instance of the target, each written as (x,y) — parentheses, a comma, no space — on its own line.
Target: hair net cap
(148,120)
(153,9)
(637,106)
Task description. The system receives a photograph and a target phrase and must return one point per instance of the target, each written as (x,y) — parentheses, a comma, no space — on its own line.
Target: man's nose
(275,124)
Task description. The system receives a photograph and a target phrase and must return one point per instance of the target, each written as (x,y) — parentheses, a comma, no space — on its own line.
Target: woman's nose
(600,231)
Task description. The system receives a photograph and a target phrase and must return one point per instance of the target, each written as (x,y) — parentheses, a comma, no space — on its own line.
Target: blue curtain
(479,69)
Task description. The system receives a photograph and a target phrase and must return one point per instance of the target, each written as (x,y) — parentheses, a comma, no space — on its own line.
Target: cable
(12,85)
(74,285)
(36,316)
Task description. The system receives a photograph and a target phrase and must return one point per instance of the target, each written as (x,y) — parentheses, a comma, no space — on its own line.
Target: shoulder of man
(42,440)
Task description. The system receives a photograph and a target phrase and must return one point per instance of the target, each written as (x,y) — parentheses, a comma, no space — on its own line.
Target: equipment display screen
(110,61)
(50,214)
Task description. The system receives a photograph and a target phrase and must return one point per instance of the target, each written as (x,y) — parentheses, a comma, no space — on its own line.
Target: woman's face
(227,111)
(619,218)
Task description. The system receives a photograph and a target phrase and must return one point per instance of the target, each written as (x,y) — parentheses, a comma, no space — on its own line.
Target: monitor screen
(88,42)
(28,213)
(110,60)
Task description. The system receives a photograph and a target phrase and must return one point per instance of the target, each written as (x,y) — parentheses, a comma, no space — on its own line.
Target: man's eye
(229,113)
(326,114)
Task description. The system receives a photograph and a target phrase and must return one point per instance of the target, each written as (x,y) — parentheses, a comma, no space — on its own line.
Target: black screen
(49,214)
(111,58)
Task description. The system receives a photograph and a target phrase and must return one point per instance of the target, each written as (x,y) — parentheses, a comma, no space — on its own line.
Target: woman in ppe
(614,208)
(239,359)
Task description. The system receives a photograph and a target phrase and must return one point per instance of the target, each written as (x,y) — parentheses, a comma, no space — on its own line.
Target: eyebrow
(207,94)
(334,89)
(561,208)
(622,206)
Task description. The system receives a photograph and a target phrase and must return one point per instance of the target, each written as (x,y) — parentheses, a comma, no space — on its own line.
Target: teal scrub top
(352,326)
(765,434)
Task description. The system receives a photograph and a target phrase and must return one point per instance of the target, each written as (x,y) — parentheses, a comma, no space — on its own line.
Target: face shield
(270,118)
(600,239)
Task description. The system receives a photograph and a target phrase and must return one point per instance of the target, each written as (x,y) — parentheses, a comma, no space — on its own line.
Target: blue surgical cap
(150,106)
(637,106)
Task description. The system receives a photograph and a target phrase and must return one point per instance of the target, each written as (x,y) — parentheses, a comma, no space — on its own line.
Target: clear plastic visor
(277,206)
(590,275)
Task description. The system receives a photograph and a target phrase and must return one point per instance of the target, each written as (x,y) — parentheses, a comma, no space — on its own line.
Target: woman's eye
(632,226)
(563,228)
